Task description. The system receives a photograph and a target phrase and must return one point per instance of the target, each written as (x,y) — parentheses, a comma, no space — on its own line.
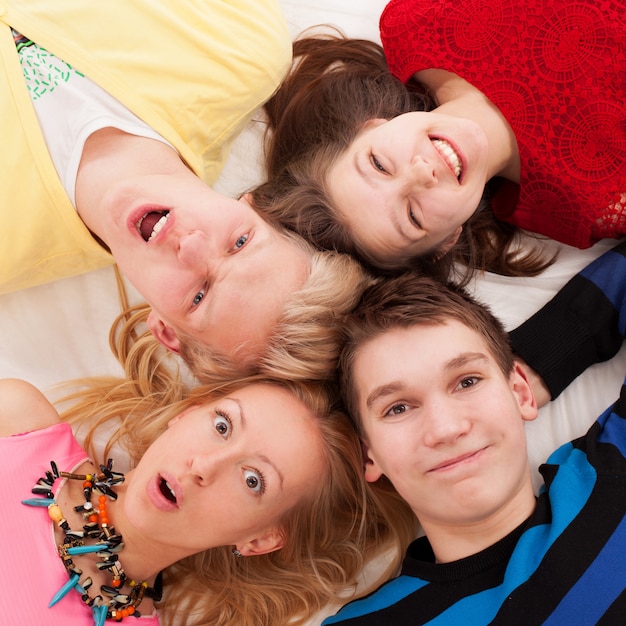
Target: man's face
(208,265)
(443,423)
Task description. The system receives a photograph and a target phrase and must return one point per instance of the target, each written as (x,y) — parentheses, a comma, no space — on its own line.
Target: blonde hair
(304,344)
(329,535)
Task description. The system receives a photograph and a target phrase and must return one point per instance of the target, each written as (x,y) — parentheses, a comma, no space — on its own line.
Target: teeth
(170,490)
(158,226)
(448,153)
(166,490)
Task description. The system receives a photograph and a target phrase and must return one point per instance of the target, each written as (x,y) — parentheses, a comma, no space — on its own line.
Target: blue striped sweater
(566,564)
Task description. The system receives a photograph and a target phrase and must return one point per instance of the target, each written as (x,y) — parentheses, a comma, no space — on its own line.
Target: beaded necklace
(112,602)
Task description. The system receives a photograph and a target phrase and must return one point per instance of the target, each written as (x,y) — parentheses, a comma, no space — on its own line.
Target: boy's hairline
(439,320)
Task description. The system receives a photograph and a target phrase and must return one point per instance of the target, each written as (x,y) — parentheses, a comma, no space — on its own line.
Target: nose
(443,424)
(420,171)
(193,250)
(205,467)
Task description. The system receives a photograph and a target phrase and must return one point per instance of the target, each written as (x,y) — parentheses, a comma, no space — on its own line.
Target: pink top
(557,71)
(32,571)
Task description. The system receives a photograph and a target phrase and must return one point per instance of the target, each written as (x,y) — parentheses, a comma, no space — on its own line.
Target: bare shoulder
(23,408)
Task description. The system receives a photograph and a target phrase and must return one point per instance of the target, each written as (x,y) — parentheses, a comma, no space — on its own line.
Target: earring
(236,553)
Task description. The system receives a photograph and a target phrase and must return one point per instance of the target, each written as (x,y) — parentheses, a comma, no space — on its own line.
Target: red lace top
(557,71)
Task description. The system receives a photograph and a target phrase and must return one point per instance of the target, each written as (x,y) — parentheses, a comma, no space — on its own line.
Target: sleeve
(402,26)
(582,325)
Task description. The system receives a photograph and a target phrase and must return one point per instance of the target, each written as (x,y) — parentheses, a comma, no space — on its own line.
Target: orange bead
(102,499)
(116,582)
(55,513)
(93,518)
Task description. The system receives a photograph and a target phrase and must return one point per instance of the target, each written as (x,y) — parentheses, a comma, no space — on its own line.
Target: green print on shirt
(42,71)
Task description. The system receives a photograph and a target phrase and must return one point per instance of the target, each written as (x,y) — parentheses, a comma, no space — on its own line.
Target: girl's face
(405,186)
(207,264)
(225,473)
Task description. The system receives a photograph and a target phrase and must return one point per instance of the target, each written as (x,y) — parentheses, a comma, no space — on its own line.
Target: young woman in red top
(526,98)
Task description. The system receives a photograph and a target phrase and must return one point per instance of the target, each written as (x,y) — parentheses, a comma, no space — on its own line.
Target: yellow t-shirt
(195,71)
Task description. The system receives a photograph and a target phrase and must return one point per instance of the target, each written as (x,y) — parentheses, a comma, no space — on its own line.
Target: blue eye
(254,480)
(241,242)
(222,424)
(198,298)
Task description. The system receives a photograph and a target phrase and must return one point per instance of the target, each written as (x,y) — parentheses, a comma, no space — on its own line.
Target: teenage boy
(440,403)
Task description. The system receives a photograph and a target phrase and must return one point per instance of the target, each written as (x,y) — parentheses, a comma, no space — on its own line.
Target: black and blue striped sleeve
(582,325)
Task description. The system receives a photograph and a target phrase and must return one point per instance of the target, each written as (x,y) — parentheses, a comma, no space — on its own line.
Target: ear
(448,244)
(164,333)
(246,198)
(539,387)
(270,541)
(173,421)
(523,392)
(372,471)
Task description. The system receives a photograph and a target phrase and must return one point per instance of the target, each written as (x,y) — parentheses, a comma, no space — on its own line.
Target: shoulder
(23,408)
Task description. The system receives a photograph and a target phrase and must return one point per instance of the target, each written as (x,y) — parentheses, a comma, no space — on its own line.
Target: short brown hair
(411,300)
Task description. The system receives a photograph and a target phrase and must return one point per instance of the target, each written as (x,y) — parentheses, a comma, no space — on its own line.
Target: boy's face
(444,424)
(208,265)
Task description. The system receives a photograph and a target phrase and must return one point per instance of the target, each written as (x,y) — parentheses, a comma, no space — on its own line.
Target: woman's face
(207,264)
(226,472)
(405,186)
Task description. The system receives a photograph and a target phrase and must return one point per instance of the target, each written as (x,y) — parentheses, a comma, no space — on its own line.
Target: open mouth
(167,491)
(450,156)
(151,224)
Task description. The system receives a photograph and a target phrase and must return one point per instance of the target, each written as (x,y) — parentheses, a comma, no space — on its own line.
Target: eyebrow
(465,359)
(368,180)
(371,182)
(461,360)
(263,458)
(382,391)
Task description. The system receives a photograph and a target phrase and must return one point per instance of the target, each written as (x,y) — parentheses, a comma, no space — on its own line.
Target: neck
(454,541)
(458,98)
(140,558)
(110,160)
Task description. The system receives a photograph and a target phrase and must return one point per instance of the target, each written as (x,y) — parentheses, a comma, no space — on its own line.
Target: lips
(450,156)
(450,463)
(151,223)
(165,494)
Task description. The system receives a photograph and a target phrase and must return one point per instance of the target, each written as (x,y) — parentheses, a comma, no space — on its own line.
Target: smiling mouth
(456,461)
(166,490)
(151,224)
(450,156)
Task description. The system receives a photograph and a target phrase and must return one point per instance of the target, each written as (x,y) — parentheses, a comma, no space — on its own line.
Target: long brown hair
(336,86)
